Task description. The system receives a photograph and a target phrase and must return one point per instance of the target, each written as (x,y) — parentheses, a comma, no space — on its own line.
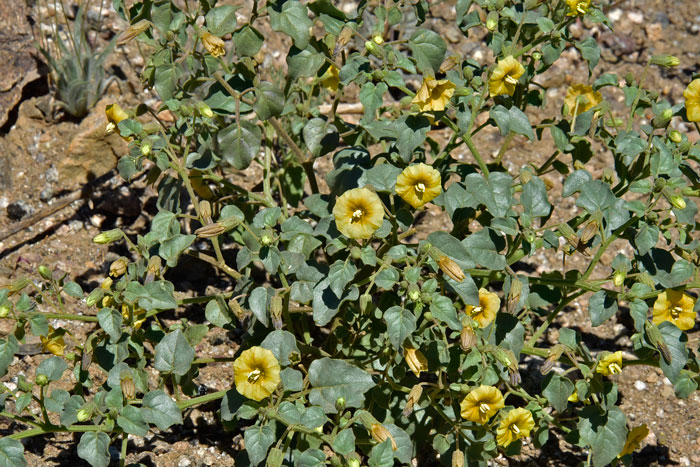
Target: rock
(46,194)
(91,153)
(640,385)
(51,174)
(18,210)
(5,167)
(16,54)
(636,17)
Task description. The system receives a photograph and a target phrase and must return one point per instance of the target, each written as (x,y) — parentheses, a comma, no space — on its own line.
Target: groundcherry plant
(366,335)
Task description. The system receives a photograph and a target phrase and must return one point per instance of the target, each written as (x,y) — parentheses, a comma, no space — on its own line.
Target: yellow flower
(676,307)
(574,396)
(481,404)
(515,425)
(415,359)
(53,342)
(213,44)
(610,364)
(418,184)
(434,94)
(485,312)
(581,98)
(115,114)
(578,7)
(256,373)
(505,77)
(139,316)
(331,79)
(634,439)
(358,213)
(692,100)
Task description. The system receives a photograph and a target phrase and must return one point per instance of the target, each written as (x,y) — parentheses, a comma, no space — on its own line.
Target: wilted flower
(256,373)
(578,7)
(505,77)
(53,341)
(331,78)
(581,98)
(415,359)
(381,434)
(467,338)
(485,312)
(213,44)
(413,398)
(515,425)
(676,307)
(118,267)
(481,403)
(692,100)
(610,364)
(418,184)
(358,213)
(434,94)
(634,439)
(451,269)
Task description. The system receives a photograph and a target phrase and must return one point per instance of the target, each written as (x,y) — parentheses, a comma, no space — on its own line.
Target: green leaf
(158,295)
(282,344)
(676,342)
(400,324)
(371,97)
(344,442)
(326,303)
(311,458)
(159,409)
(248,41)
(646,237)
(57,400)
(557,390)
(510,333)
(239,143)
(428,49)
(292,380)
(111,321)
(8,347)
(293,20)
(11,453)
(269,100)
(383,177)
(131,421)
(320,137)
(39,325)
(331,379)
(171,249)
(382,455)
(174,354)
(512,119)
(73,289)
(601,308)
(94,448)
(453,248)
(685,385)
(52,368)
(443,310)
(217,315)
(494,192)
(387,278)
(483,247)
(589,51)
(595,196)
(259,301)
(404,445)
(221,20)
(303,62)
(258,440)
(340,274)
(534,198)
(604,433)
(230,403)
(68,415)
(313,417)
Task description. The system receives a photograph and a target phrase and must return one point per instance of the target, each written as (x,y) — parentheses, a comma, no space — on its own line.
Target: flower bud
(267,239)
(413,398)
(110,236)
(94,297)
(377,39)
(86,411)
(118,267)
(210,230)
(677,201)
(457,458)
(537,56)
(45,272)
(4,311)
(365,302)
(467,338)
(276,311)
(662,120)
(374,49)
(126,383)
(619,278)
(492,21)
(41,379)
(354,462)
(675,136)
(381,434)
(213,44)
(451,269)
(18,285)
(340,404)
(204,110)
(589,231)
(665,60)
(133,31)
(275,457)
(145,149)
(414,292)
(355,252)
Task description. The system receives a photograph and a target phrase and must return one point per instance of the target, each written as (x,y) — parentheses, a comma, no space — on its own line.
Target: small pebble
(18,210)
(640,385)
(46,194)
(615,15)
(51,174)
(635,17)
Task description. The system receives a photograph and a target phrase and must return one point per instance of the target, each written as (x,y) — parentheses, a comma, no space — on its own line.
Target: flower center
(676,312)
(477,309)
(254,375)
(510,80)
(484,408)
(514,428)
(581,8)
(420,187)
(357,215)
(614,368)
